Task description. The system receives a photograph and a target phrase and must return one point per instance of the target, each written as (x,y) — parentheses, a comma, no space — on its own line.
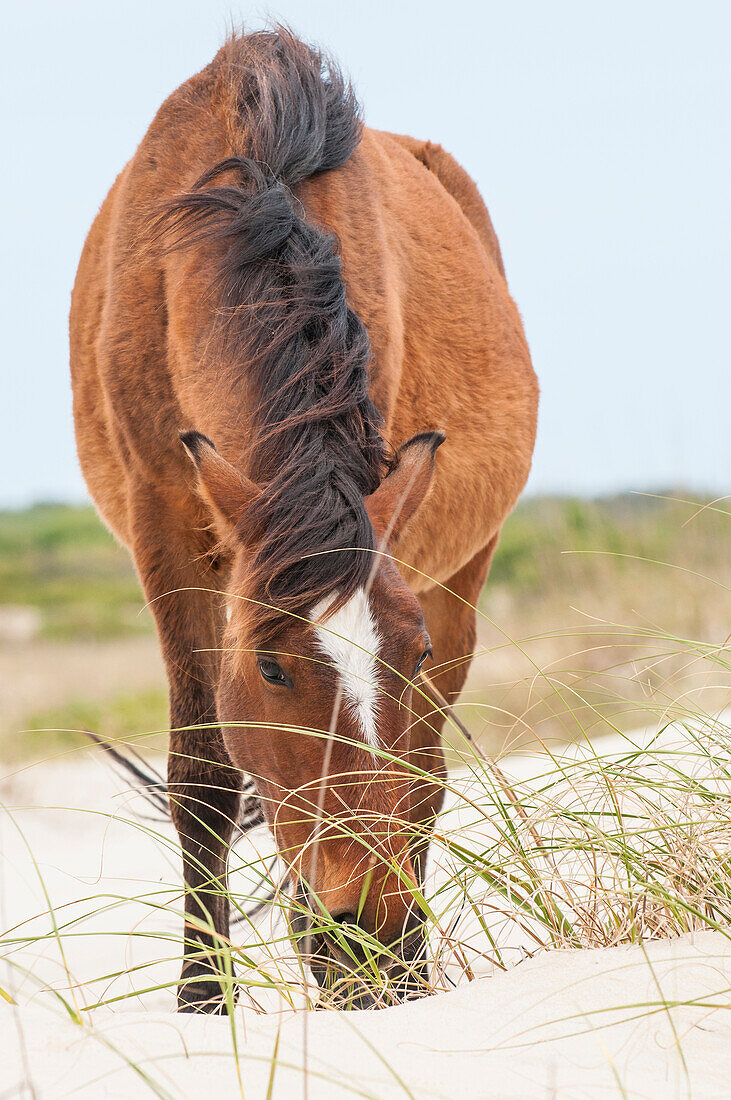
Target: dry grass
(594,610)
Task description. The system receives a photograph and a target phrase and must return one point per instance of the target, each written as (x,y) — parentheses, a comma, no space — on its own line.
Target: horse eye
(273,673)
(420,663)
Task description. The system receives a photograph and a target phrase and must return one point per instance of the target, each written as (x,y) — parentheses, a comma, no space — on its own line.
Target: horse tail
(147,781)
(153,788)
(296,111)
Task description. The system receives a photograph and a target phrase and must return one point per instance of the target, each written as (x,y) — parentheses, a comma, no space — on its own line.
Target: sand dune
(648,1020)
(569,1024)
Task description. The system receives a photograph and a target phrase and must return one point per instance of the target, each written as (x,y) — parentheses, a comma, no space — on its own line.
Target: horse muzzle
(355,971)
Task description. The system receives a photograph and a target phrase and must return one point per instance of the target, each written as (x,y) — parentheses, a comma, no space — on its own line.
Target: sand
(567,1024)
(649,1020)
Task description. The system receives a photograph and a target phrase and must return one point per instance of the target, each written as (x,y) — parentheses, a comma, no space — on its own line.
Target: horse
(304,401)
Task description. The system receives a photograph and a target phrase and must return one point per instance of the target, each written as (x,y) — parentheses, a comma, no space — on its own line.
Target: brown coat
(423,272)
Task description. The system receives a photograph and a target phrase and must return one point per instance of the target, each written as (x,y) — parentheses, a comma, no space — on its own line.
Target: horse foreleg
(450,617)
(203,785)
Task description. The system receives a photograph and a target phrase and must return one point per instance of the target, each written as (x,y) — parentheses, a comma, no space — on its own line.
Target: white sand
(568,1024)
(564,1024)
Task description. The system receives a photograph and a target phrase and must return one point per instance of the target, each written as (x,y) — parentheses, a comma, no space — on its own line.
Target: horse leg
(450,617)
(203,785)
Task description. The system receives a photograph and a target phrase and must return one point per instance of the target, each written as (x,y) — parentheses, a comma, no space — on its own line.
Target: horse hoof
(201,993)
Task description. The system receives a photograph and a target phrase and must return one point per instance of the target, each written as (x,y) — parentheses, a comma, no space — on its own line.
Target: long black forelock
(318,450)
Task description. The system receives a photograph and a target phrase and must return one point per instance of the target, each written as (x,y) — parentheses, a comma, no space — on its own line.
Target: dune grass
(578,846)
(594,847)
(597,837)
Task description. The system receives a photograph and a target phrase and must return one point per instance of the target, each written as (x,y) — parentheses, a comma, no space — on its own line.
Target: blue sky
(599,135)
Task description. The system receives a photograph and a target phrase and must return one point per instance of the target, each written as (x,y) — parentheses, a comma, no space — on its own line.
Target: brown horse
(213,296)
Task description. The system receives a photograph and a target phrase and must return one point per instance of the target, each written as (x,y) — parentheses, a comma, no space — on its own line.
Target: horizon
(672,495)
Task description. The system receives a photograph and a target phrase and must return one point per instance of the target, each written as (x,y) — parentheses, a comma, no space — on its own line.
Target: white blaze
(351,641)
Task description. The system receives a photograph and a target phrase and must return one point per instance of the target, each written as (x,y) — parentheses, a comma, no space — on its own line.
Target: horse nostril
(347,935)
(345,918)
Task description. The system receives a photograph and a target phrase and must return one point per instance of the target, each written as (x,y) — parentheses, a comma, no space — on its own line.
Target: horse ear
(225,489)
(400,493)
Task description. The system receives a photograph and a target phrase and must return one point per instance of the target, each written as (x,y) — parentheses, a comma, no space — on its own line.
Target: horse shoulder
(99,455)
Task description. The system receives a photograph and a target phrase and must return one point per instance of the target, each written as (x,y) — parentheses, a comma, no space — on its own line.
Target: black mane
(318,450)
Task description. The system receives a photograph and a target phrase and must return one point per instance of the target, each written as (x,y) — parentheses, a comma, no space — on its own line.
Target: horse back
(422,269)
